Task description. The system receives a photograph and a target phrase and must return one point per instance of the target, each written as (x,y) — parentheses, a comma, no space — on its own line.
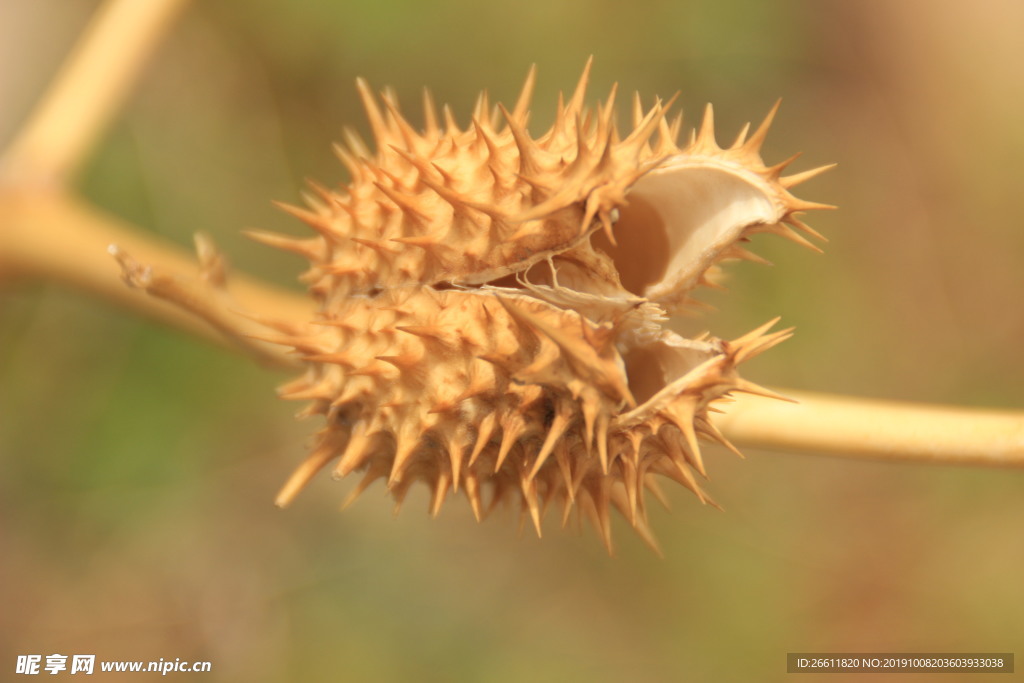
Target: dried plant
(491,306)
(487,307)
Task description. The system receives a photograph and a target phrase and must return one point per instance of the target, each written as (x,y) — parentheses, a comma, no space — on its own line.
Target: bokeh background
(138,465)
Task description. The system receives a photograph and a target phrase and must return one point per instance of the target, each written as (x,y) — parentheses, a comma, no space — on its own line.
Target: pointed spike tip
(756,140)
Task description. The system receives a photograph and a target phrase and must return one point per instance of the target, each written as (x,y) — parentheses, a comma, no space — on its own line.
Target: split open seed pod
(492,305)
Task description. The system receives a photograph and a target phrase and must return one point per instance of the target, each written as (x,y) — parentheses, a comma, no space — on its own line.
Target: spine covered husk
(492,304)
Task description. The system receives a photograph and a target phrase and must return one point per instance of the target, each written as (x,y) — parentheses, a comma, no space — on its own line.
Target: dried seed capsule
(492,304)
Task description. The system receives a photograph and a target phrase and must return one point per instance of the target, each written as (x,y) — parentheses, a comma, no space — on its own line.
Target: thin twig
(88,91)
(205,297)
(58,238)
(888,430)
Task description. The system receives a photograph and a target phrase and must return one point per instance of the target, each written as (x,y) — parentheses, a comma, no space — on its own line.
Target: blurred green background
(138,466)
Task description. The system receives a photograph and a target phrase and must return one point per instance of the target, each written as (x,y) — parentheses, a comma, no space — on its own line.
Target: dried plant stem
(58,238)
(88,90)
(205,297)
(889,430)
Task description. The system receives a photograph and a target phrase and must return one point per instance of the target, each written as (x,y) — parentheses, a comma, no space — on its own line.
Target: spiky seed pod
(492,303)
